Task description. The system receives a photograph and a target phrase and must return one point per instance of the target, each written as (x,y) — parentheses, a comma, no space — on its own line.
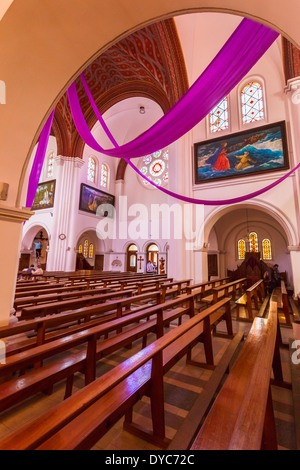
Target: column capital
(61,159)
(15,214)
(293,87)
(294,248)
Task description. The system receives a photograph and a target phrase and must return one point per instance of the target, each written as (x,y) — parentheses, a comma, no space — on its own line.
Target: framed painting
(44,196)
(97,202)
(247,153)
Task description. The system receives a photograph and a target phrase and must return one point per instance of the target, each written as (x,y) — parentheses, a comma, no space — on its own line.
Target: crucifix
(140,259)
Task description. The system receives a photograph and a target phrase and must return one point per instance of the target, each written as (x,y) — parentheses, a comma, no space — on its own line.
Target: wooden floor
(182,386)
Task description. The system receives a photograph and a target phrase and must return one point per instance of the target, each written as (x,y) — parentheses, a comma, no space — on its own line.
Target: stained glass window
(50,165)
(241,249)
(86,248)
(80,249)
(253,242)
(104,175)
(155,167)
(218,117)
(91,173)
(91,250)
(252,102)
(266,249)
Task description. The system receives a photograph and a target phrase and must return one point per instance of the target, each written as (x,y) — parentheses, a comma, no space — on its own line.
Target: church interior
(150,225)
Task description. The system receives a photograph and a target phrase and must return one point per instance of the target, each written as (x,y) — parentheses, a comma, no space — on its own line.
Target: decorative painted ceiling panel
(147,63)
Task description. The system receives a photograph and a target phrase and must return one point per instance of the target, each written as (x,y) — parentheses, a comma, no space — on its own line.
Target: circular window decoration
(155,168)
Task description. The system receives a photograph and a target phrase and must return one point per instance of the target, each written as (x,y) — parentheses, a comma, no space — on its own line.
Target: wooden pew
(83,418)
(56,297)
(169,289)
(45,329)
(241,417)
(205,287)
(144,286)
(283,302)
(41,378)
(225,290)
(254,293)
(53,289)
(64,305)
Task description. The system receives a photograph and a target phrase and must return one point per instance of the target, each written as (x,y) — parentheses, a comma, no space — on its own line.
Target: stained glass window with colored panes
(218,117)
(91,250)
(86,248)
(91,173)
(266,249)
(80,249)
(241,249)
(104,175)
(252,103)
(253,242)
(50,165)
(156,168)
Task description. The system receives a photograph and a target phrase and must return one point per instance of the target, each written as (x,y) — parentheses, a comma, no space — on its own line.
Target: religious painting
(96,202)
(256,151)
(44,196)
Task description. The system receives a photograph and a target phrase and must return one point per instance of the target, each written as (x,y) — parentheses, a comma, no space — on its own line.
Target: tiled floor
(183,384)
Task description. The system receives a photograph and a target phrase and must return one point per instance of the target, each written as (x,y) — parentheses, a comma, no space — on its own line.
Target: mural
(255,151)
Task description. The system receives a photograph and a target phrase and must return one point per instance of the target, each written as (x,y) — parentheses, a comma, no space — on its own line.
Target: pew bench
(64,305)
(225,290)
(84,417)
(246,420)
(169,289)
(44,377)
(254,293)
(58,296)
(283,303)
(45,329)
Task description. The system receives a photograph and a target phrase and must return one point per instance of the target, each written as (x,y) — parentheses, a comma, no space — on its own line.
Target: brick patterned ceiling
(147,63)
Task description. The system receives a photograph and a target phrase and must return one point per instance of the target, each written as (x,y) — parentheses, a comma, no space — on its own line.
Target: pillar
(12,220)
(62,254)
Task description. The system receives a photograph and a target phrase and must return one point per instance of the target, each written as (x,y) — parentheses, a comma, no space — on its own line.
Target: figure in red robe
(222,162)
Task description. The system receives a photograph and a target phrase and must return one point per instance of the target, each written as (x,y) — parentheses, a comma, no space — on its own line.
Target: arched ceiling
(147,63)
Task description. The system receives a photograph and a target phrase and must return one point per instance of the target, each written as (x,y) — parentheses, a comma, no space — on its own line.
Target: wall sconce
(206,245)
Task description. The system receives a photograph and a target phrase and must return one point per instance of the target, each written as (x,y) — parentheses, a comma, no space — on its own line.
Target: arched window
(50,165)
(156,168)
(252,102)
(91,172)
(218,117)
(91,250)
(241,249)
(253,242)
(152,253)
(86,248)
(80,249)
(132,251)
(266,249)
(104,175)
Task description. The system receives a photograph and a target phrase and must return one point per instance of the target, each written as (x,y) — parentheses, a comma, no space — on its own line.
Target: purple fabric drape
(79,120)
(240,53)
(38,161)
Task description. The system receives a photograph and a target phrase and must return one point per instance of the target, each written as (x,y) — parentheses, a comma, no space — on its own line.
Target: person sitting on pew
(38,270)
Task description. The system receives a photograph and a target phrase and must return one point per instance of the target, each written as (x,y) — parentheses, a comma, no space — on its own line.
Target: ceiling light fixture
(142,110)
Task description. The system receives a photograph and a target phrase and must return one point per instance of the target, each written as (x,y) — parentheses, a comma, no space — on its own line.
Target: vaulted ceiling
(148,63)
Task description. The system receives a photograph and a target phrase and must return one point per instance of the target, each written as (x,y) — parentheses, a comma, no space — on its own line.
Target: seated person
(38,270)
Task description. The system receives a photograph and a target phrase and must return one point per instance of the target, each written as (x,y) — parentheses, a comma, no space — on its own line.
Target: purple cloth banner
(38,161)
(240,53)
(212,85)
(216,202)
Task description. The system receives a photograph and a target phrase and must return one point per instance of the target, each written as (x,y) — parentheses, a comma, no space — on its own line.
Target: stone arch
(276,17)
